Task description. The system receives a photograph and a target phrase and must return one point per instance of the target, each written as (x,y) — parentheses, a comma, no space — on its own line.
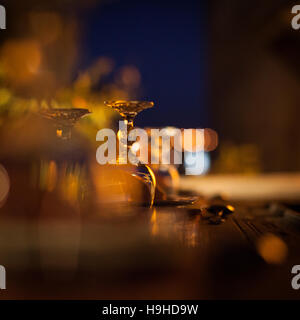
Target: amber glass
(129,110)
(64,119)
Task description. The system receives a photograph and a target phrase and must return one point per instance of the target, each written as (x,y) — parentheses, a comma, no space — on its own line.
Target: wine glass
(129,110)
(63,183)
(62,169)
(167,175)
(64,119)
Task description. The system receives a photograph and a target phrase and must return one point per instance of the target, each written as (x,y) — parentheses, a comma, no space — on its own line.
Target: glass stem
(130,125)
(124,144)
(64,132)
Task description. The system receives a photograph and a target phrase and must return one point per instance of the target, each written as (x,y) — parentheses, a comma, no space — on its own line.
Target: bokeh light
(272,249)
(46,26)
(20,60)
(4,185)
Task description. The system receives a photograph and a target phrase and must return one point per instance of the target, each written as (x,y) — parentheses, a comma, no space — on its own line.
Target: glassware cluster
(119,176)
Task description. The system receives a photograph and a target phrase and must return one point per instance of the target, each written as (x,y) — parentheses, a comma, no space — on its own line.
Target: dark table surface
(167,252)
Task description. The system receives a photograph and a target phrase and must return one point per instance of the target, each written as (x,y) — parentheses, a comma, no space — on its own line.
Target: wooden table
(166,252)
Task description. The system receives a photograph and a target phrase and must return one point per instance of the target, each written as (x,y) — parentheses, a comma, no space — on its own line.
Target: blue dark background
(166,41)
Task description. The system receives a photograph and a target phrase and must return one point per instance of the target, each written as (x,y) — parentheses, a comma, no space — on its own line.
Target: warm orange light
(59,133)
(79,102)
(4,185)
(210,139)
(130,77)
(21,60)
(46,26)
(272,249)
(154,226)
(52,176)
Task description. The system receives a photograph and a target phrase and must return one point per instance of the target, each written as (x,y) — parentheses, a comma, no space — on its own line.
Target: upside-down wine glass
(129,110)
(63,172)
(64,119)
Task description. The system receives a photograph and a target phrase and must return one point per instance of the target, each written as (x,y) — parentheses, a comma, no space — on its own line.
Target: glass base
(125,184)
